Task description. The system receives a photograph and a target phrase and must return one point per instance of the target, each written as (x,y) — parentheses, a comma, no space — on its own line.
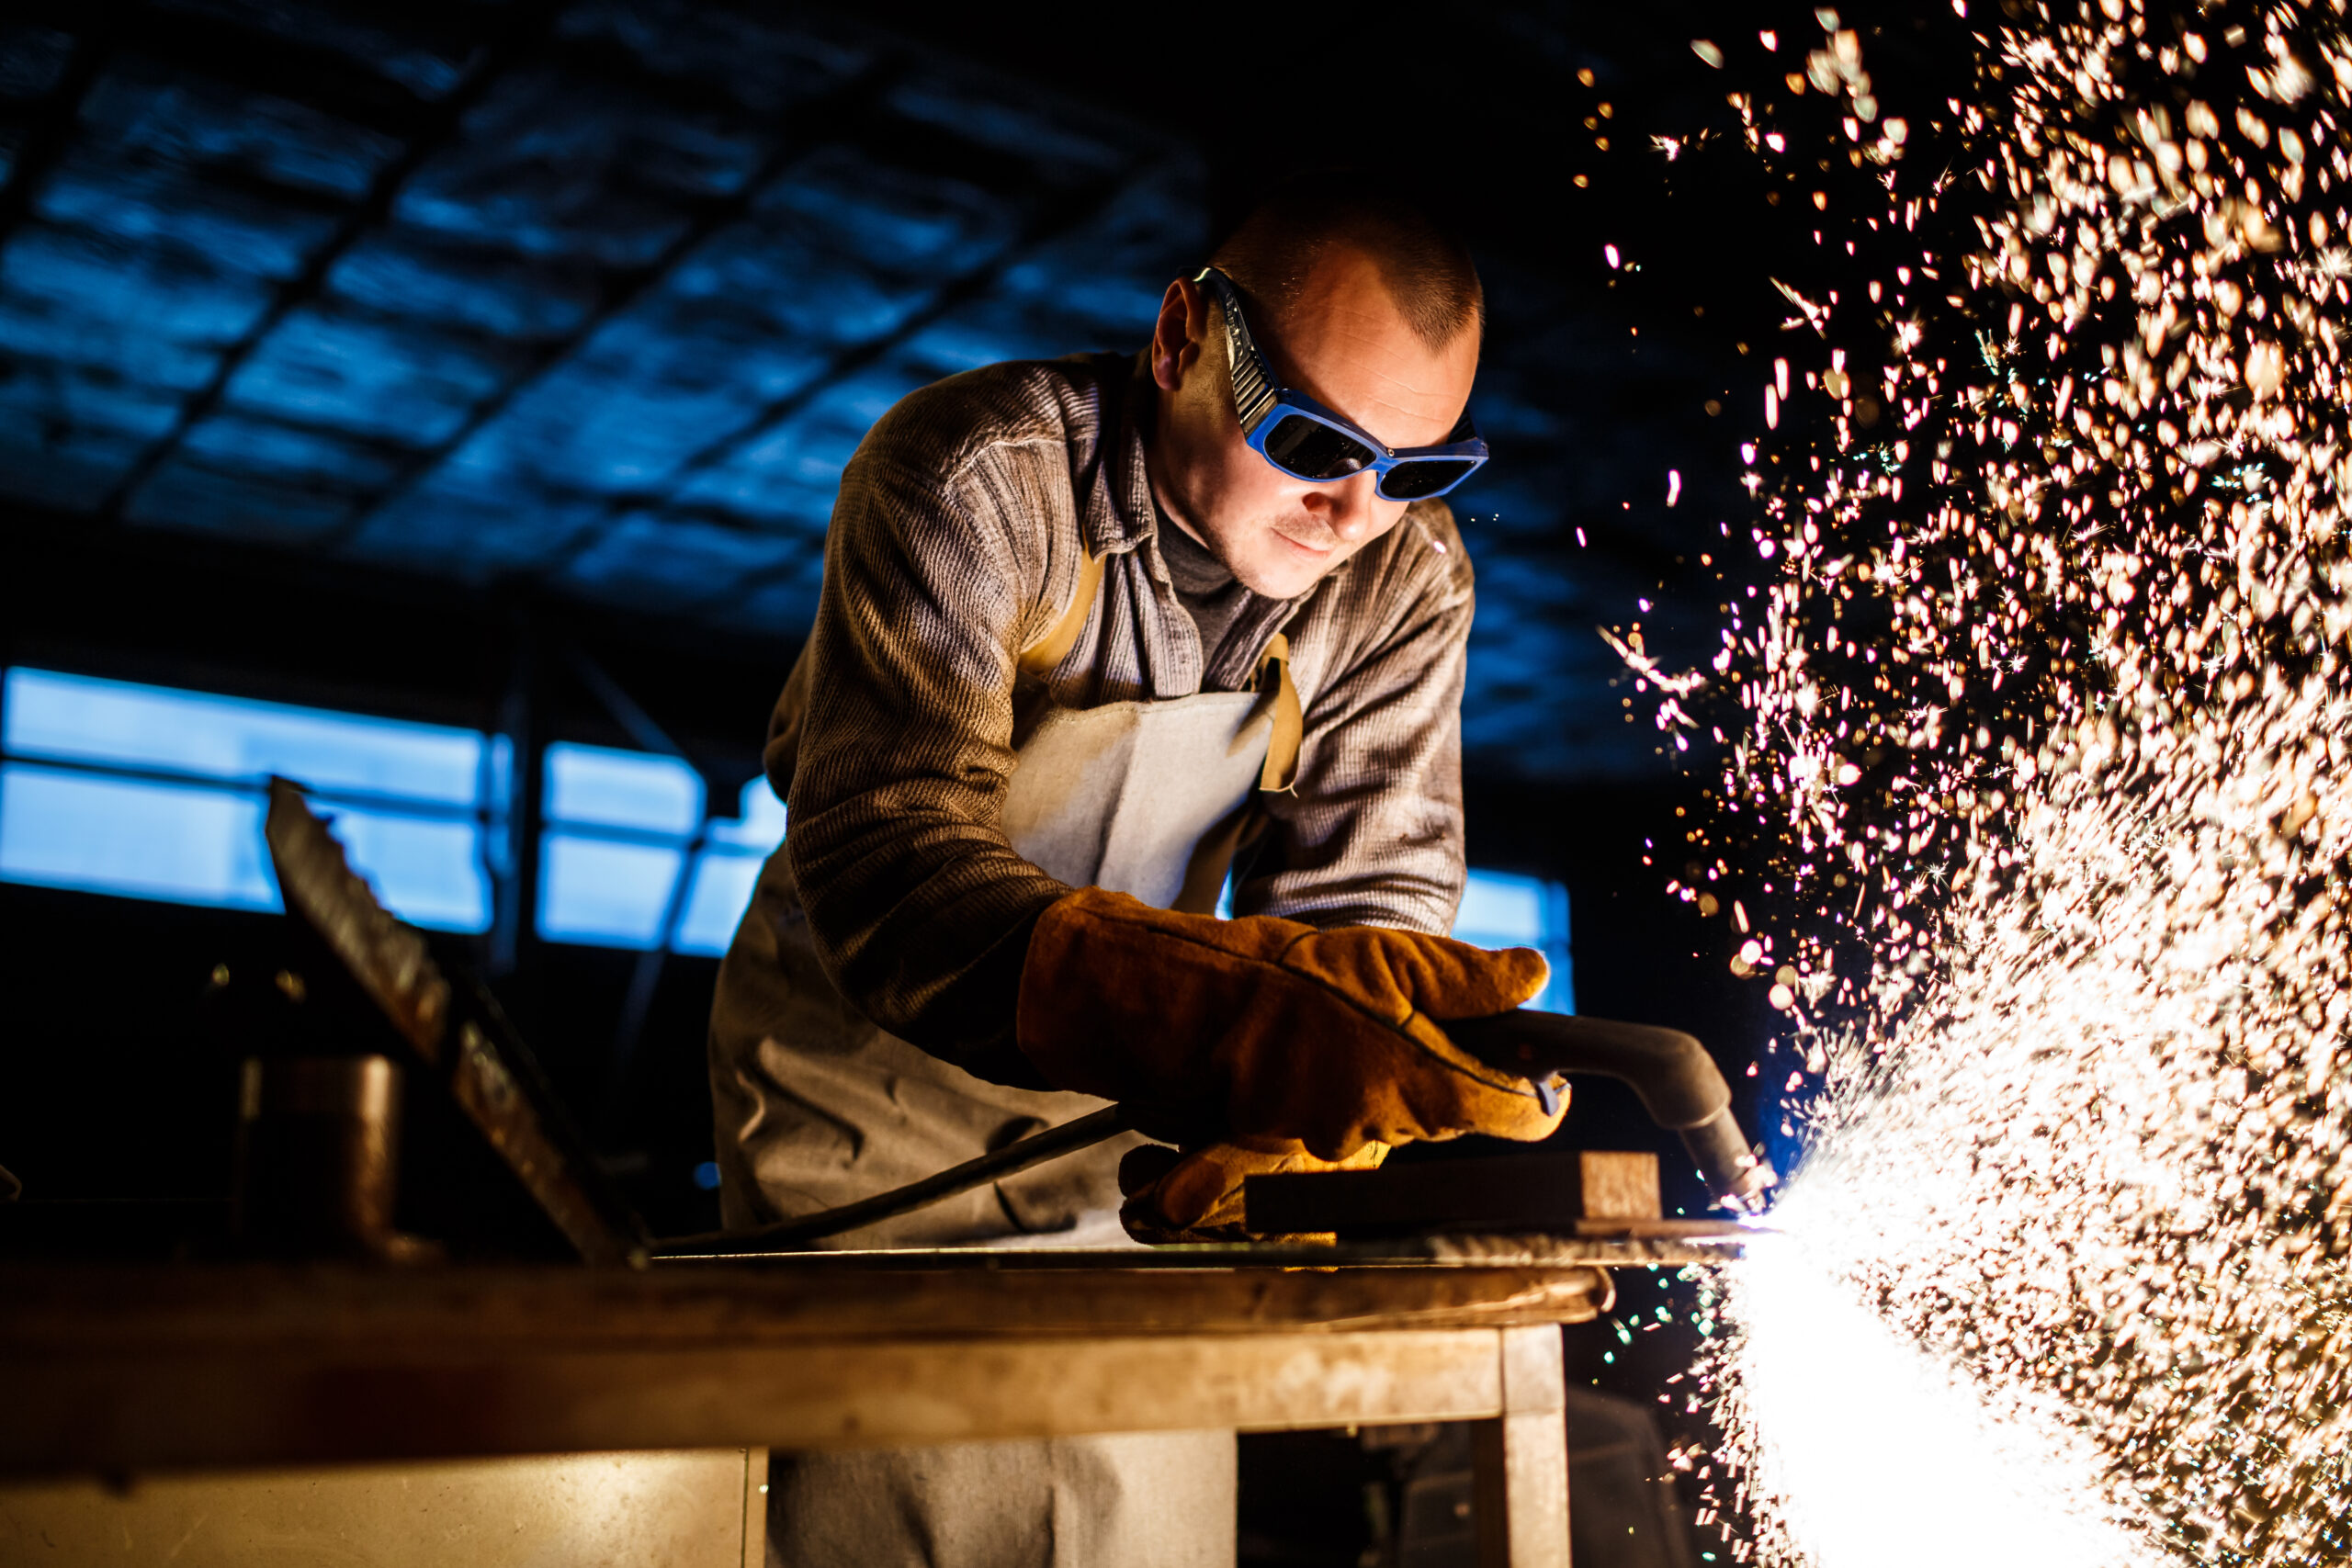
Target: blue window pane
(759,822)
(141,840)
(78,719)
(715,905)
(427,872)
(592,786)
(596,890)
(1502,911)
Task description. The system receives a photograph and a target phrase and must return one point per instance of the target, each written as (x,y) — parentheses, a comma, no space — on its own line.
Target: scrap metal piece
(490,1074)
(386,958)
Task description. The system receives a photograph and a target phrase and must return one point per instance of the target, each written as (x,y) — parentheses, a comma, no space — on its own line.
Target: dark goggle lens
(1300,446)
(1427,476)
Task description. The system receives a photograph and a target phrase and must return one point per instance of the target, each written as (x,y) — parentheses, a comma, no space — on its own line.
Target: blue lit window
(629,859)
(147,792)
(1500,910)
(727,869)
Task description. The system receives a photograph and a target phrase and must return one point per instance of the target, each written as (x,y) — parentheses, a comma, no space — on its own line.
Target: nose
(1348,507)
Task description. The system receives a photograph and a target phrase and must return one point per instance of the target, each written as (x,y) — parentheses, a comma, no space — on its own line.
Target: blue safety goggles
(1308,440)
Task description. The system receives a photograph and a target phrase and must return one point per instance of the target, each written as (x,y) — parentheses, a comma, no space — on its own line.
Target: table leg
(1519,1458)
(756,1509)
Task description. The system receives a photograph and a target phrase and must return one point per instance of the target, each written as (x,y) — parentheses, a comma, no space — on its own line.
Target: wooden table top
(51,1308)
(127,1367)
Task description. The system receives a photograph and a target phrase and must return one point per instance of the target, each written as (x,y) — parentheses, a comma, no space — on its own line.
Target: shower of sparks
(2037,710)
(1883,1454)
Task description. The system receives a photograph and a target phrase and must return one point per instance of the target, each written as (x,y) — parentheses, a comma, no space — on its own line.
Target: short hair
(1424,264)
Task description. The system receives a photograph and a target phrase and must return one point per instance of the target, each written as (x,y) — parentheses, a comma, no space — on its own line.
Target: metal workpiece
(1592,1193)
(1632,1245)
(1678,1083)
(1601,1204)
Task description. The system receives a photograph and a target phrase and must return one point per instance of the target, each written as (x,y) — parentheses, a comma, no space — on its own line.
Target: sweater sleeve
(894,744)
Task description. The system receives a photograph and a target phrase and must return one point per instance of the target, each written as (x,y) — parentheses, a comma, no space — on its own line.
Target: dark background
(375,355)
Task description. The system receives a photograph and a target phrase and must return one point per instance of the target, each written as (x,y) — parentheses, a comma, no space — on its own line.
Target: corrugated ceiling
(601,297)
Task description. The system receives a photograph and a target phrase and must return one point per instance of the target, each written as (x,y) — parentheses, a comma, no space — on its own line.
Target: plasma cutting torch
(1678,1083)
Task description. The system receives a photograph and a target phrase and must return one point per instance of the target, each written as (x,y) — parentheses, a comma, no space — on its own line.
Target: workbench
(123,1371)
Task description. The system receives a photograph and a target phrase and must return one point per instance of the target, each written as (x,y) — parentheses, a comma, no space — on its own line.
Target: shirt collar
(1133,516)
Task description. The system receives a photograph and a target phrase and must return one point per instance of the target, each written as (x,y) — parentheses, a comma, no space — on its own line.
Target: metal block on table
(1597,1192)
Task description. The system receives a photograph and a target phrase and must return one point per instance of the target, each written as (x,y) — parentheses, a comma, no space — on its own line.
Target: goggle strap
(1253,379)
(1252,390)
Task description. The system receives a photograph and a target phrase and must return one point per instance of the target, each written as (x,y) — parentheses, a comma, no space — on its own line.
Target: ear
(1177,336)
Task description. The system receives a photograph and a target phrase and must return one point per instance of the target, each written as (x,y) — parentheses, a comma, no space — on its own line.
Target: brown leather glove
(1193,1196)
(1275,1029)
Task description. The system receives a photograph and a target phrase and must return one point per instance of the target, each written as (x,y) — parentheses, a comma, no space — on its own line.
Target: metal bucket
(318,1152)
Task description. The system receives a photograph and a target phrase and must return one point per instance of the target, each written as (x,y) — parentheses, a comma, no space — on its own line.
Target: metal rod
(1010,1160)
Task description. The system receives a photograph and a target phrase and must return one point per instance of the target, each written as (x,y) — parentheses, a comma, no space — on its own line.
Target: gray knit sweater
(956,542)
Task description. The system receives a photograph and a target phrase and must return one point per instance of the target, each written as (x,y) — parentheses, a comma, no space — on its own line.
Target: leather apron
(817,1107)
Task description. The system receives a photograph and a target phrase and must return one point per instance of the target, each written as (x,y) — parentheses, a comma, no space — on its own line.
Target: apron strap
(1283,744)
(1281,771)
(1040,657)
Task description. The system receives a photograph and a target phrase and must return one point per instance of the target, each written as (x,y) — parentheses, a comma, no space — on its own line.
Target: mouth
(1315,552)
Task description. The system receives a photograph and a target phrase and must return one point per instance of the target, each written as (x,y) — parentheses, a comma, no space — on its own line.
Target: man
(1090,629)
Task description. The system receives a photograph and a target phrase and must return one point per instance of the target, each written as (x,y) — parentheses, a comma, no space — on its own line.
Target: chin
(1281,579)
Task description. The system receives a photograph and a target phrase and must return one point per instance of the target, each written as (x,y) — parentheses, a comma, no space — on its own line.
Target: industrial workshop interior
(1305,787)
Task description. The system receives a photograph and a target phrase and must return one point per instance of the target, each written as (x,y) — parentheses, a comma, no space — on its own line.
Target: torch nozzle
(1734,1172)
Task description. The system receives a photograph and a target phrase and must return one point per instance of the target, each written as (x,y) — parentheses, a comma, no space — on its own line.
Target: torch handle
(1678,1082)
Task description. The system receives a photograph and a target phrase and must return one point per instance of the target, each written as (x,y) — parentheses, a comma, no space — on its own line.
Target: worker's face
(1343,343)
